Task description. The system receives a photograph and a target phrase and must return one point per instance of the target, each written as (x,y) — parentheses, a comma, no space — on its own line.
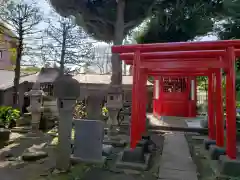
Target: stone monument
(94,106)
(35,108)
(66,90)
(88,141)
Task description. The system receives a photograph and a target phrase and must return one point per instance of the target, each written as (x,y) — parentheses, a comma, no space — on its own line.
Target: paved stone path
(167,121)
(176,162)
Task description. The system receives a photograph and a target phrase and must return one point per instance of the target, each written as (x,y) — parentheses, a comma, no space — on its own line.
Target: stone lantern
(114,104)
(66,90)
(36,108)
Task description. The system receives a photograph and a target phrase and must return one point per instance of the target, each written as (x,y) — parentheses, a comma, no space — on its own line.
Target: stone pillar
(67,91)
(94,106)
(36,99)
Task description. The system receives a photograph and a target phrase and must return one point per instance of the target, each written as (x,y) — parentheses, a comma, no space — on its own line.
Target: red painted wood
(130,61)
(183,72)
(143,102)
(175,103)
(231,105)
(176,46)
(176,54)
(185,52)
(186,65)
(219,110)
(136,98)
(211,119)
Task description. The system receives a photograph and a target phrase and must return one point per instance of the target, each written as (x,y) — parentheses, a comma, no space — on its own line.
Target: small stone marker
(88,141)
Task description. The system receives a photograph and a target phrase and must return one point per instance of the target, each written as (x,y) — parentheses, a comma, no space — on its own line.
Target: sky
(46,9)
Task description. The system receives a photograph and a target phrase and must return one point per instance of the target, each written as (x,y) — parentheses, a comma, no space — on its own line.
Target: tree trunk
(17,69)
(63,51)
(116,78)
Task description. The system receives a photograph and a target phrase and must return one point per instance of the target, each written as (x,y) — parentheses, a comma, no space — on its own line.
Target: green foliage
(79,111)
(8,116)
(174,20)
(230,27)
(151,79)
(98,17)
(104,111)
(238,104)
(202,83)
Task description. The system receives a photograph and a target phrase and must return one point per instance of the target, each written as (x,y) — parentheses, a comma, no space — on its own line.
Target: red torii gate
(172,58)
(197,72)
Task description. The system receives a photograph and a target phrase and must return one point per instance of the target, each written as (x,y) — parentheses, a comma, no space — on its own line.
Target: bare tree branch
(22,18)
(65,43)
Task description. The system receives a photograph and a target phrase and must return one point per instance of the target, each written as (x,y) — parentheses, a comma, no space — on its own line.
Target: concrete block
(75,160)
(228,167)
(216,152)
(208,142)
(142,166)
(134,155)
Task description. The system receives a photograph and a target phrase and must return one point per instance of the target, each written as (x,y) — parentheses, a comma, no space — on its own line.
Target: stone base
(216,152)
(22,129)
(134,155)
(208,142)
(132,159)
(115,142)
(76,160)
(33,135)
(228,167)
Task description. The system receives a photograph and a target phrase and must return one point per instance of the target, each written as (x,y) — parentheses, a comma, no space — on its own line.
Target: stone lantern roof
(65,87)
